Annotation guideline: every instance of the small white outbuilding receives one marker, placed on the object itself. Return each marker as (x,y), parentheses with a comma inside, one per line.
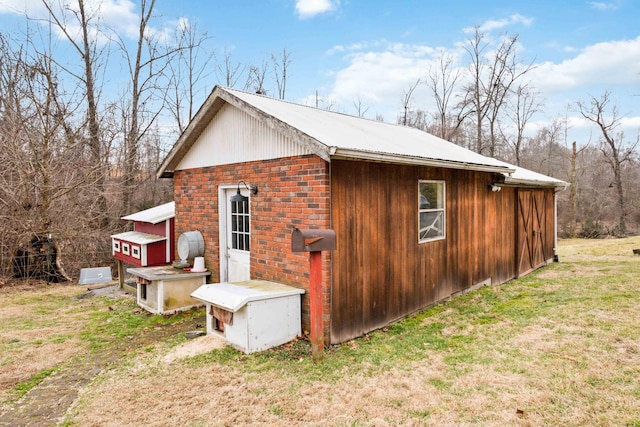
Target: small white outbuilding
(253,315)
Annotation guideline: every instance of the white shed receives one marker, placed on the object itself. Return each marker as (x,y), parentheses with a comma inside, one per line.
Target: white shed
(254,315)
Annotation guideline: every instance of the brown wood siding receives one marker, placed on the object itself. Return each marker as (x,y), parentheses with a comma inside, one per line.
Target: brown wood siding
(381,273)
(535,232)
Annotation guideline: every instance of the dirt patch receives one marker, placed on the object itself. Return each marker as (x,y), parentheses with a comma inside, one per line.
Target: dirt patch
(105,290)
(194,347)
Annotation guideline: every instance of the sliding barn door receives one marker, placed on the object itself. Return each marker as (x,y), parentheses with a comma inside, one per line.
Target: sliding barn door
(531,230)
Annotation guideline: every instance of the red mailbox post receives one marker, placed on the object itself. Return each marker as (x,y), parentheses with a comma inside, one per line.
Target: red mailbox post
(314,242)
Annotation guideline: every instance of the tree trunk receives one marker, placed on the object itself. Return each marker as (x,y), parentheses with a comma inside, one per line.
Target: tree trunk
(94,142)
(573,220)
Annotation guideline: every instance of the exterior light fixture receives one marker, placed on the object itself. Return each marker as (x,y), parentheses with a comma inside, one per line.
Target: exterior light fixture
(239,197)
(492,187)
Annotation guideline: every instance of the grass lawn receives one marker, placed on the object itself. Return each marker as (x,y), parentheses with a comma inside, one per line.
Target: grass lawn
(560,346)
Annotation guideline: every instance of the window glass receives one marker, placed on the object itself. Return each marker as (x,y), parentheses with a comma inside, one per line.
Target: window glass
(431,210)
(240,227)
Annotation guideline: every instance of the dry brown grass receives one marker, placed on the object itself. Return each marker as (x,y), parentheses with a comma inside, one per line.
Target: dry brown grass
(574,250)
(34,334)
(560,347)
(557,370)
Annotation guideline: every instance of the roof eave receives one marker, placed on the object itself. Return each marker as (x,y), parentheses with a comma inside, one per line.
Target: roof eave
(534,183)
(310,143)
(218,97)
(188,137)
(340,153)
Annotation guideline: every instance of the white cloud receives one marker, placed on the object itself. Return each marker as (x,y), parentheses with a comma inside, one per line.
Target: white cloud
(23,7)
(630,123)
(493,24)
(378,73)
(355,47)
(600,5)
(608,63)
(310,8)
(336,49)
(120,15)
(107,18)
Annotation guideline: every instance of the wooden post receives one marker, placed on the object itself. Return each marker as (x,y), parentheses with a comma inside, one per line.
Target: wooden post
(314,242)
(121,274)
(315,303)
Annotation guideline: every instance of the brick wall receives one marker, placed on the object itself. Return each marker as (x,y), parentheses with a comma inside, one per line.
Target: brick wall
(292,192)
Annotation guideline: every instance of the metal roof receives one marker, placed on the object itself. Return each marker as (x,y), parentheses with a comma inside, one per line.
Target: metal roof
(234,296)
(332,135)
(528,177)
(345,136)
(154,215)
(138,237)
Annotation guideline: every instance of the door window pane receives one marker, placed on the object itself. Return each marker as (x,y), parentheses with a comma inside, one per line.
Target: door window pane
(240,235)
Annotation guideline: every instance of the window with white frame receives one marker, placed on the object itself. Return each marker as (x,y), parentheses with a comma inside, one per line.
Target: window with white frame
(240,228)
(431,211)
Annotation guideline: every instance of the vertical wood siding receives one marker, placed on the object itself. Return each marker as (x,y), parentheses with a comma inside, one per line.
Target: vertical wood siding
(234,136)
(535,229)
(380,271)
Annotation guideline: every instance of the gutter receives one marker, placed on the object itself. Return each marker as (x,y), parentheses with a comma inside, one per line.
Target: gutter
(511,182)
(348,154)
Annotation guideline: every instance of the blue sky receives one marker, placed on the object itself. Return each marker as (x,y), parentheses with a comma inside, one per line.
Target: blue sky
(374,49)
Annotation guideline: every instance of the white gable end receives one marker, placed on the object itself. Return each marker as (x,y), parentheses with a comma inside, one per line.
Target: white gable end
(234,136)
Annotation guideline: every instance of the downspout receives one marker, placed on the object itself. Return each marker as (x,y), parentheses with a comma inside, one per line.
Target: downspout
(555,227)
(556,258)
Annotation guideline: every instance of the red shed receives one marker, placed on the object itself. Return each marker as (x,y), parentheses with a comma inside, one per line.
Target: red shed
(152,240)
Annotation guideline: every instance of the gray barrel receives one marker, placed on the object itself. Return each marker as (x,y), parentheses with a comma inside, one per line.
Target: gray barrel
(190,245)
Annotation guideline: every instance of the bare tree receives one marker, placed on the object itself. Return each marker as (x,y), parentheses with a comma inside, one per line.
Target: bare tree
(358,104)
(44,165)
(545,152)
(419,119)
(147,65)
(281,71)
(329,102)
(519,110)
(575,173)
(186,72)
(89,54)
(256,78)
(228,70)
(407,98)
(476,49)
(441,81)
(616,149)
(493,74)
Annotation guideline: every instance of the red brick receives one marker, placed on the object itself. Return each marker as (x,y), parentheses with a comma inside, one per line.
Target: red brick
(291,192)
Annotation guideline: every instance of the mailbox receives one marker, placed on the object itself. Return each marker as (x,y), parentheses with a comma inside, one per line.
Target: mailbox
(313,240)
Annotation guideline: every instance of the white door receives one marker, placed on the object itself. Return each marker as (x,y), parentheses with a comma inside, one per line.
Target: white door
(238,236)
